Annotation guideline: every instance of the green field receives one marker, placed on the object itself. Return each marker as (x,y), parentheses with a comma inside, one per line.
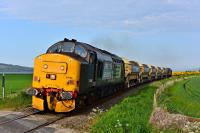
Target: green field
(15,96)
(131,115)
(183,98)
(16,83)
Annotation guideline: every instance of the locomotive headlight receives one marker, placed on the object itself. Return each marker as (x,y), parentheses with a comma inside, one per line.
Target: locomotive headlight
(32,92)
(66,95)
(62,68)
(45,66)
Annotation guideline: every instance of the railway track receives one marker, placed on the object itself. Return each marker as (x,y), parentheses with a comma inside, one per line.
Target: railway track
(10,125)
(19,117)
(73,118)
(46,123)
(81,111)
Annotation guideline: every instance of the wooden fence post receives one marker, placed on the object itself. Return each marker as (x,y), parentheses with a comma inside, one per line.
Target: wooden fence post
(3,86)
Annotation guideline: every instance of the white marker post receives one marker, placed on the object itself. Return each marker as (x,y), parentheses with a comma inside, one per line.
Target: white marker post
(3,86)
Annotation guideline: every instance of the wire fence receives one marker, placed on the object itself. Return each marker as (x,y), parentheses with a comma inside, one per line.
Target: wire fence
(13,84)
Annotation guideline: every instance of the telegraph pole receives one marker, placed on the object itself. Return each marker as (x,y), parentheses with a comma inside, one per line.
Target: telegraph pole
(3,86)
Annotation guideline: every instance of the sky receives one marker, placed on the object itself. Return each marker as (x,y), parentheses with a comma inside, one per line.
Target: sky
(160,32)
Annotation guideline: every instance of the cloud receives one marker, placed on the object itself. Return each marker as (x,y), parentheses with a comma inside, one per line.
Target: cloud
(162,21)
(123,15)
(179,2)
(99,13)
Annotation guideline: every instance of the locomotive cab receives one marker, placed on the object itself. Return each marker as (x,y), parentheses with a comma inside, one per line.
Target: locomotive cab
(57,76)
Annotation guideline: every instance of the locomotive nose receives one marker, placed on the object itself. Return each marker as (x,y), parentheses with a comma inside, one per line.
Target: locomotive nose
(56,71)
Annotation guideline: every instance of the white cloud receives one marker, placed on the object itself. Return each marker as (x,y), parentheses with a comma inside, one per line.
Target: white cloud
(164,21)
(128,14)
(178,2)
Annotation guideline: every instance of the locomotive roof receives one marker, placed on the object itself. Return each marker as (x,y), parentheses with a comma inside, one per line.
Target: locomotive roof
(90,47)
(100,53)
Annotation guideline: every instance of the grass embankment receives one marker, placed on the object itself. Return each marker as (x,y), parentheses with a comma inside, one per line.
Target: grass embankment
(183,98)
(130,115)
(15,96)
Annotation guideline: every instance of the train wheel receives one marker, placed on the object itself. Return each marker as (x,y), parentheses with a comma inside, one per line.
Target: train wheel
(80,103)
(45,105)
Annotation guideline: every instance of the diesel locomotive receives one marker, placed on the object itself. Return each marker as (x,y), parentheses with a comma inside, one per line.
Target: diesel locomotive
(71,74)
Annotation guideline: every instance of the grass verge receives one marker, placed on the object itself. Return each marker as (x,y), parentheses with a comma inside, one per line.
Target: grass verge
(183,98)
(130,115)
(16,102)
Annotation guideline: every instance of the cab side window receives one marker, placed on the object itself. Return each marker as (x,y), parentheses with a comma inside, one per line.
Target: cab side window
(92,58)
(99,69)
